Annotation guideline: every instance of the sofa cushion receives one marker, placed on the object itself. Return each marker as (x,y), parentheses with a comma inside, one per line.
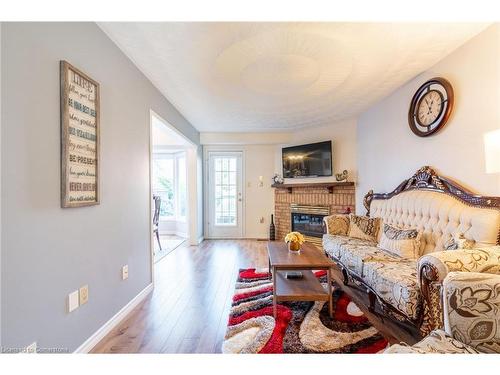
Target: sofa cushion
(363,227)
(396,283)
(353,252)
(436,342)
(402,242)
(334,245)
(337,224)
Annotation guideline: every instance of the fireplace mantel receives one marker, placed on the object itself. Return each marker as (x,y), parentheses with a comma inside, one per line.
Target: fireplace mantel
(329,185)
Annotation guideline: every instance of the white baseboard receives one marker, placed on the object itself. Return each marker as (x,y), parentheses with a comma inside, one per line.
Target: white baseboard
(93,340)
(201,239)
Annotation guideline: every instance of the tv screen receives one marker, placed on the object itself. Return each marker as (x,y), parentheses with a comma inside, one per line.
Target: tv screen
(312,160)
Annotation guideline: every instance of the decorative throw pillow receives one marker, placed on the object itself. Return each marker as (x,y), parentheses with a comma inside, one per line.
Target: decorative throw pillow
(337,224)
(458,241)
(401,242)
(363,227)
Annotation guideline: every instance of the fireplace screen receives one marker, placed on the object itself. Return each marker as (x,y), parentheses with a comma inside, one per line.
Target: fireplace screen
(308,224)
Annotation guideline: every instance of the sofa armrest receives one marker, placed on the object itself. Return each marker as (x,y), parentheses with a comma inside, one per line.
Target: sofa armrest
(471,304)
(435,266)
(337,224)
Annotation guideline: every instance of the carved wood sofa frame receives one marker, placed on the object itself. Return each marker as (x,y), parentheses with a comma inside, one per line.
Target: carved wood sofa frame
(424,179)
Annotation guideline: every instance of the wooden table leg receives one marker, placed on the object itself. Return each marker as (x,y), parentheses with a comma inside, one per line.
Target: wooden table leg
(274,294)
(330,298)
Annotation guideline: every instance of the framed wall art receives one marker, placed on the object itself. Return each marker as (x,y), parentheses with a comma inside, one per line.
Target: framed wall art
(79,138)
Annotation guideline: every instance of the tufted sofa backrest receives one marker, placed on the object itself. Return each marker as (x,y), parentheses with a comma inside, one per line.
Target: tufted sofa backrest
(438,216)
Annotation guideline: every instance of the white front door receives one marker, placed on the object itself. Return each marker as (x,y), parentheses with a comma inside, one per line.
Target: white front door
(225,200)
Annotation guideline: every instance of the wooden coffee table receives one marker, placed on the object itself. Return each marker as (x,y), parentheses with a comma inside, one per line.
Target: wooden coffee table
(307,288)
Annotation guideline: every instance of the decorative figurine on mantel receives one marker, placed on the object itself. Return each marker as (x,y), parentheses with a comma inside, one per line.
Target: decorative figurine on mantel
(277,179)
(342,176)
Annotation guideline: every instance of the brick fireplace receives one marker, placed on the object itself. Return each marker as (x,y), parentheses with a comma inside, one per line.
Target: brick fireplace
(325,198)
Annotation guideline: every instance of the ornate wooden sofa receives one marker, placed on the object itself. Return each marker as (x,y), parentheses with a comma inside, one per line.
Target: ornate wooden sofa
(408,290)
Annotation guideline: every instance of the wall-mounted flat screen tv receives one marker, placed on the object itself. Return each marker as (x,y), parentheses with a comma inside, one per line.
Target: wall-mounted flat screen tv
(311,160)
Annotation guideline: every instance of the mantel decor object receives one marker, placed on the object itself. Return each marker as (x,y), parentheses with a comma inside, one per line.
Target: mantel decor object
(277,179)
(294,241)
(342,176)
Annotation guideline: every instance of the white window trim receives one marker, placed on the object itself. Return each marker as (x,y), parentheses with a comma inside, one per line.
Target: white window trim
(175,156)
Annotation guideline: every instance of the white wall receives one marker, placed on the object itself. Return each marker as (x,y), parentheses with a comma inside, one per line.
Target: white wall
(0,184)
(343,137)
(389,152)
(48,251)
(258,201)
(199,196)
(244,138)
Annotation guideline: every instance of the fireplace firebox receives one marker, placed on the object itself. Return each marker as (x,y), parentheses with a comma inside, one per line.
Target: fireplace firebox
(308,220)
(308,224)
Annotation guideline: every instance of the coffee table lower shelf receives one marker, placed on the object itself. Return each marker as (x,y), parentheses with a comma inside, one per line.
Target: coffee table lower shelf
(307,288)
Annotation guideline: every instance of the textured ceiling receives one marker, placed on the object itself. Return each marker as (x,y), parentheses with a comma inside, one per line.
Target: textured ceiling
(281,76)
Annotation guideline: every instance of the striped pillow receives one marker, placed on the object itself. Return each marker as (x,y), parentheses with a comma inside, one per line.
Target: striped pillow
(363,227)
(404,243)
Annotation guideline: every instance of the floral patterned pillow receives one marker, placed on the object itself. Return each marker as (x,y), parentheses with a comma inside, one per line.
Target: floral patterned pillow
(404,243)
(364,228)
(337,224)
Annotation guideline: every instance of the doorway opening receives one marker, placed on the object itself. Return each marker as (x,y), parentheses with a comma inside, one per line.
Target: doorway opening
(170,156)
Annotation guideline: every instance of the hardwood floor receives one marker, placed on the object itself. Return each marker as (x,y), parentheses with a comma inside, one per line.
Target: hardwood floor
(188,310)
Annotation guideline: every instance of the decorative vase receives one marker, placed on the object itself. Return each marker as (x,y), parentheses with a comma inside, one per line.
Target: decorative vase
(294,246)
(272,229)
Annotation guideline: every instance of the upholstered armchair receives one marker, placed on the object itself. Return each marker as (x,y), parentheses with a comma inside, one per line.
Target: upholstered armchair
(471,303)
(434,267)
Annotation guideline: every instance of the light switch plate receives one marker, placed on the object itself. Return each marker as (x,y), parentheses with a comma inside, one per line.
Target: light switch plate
(73,301)
(84,294)
(125,272)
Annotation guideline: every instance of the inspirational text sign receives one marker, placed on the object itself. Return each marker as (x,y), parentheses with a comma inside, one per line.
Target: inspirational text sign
(79,138)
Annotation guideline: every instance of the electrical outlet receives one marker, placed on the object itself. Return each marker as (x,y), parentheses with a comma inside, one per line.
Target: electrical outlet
(125,272)
(73,301)
(84,294)
(31,348)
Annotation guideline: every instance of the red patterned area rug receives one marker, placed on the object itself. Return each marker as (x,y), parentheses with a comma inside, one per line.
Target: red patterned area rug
(300,327)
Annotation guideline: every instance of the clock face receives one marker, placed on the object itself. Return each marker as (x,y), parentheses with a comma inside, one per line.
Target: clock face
(430,107)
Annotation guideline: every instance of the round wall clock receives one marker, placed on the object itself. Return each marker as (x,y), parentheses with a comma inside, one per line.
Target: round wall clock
(430,107)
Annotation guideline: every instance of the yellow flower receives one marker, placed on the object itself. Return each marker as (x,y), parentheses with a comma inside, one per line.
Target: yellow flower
(295,237)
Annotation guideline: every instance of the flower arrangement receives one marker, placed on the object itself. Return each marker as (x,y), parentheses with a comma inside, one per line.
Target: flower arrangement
(294,240)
